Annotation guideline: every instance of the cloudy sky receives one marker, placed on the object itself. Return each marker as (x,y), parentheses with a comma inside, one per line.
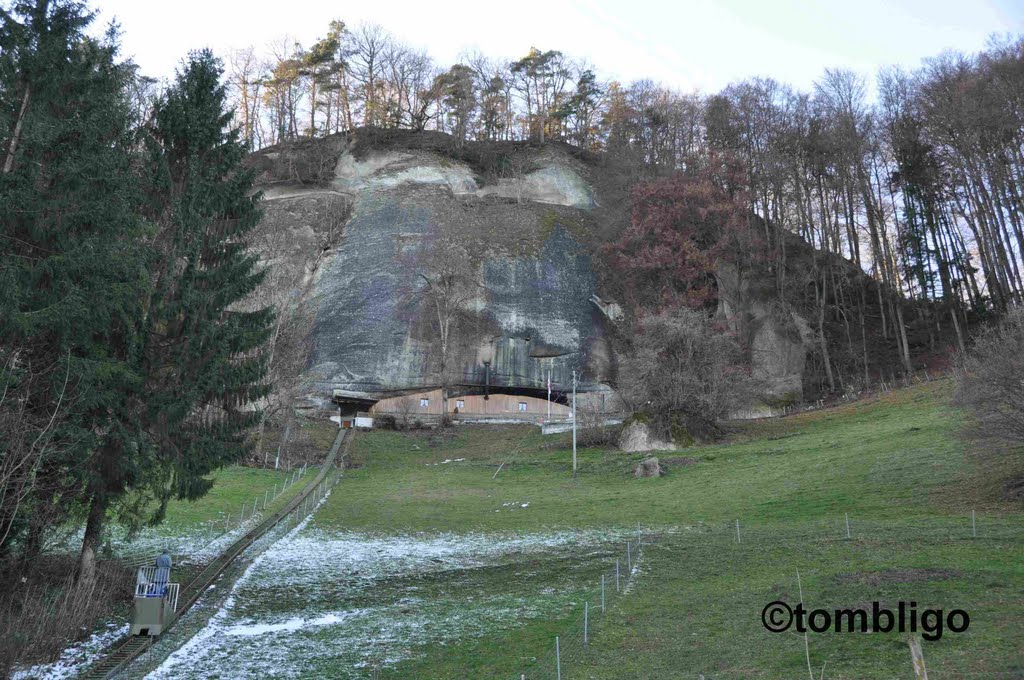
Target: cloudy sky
(688,44)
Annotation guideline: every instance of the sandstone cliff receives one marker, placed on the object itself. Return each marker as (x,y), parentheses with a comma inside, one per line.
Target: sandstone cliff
(350,220)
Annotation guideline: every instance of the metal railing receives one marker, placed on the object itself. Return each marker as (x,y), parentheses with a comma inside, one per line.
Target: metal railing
(150,581)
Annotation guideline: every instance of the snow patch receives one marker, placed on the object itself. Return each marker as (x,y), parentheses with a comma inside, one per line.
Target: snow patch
(77,657)
(334,602)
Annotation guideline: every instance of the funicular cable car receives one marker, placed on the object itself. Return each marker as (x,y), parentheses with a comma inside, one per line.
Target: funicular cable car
(156,601)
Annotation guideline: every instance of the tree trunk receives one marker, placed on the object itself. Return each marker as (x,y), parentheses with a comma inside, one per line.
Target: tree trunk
(12,148)
(91,541)
(823,341)
(902,327)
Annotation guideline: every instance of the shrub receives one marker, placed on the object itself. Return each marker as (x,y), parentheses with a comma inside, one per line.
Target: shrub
(591,428)
(385,422)
(685,373)
(990,383)
(43,610)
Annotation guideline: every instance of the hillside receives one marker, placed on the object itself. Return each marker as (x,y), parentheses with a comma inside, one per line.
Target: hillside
(423,563)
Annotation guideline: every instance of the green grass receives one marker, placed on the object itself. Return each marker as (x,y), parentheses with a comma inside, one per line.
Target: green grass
(190,525)
(232,486)
(893,463)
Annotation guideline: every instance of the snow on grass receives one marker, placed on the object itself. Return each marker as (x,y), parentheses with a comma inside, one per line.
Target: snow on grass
(197,544)
(198,644)
(77,657)
(331,603)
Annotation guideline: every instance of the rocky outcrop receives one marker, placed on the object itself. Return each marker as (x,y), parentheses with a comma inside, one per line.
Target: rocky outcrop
(348,222)
(778,338)
(636,436)
(649,467)
(534,313)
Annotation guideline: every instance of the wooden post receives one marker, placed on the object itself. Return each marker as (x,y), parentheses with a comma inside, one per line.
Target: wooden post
(920,672)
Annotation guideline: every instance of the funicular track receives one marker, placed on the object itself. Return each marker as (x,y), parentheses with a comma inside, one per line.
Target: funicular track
(130,647)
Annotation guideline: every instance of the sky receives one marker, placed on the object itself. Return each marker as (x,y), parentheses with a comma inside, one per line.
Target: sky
(691,45)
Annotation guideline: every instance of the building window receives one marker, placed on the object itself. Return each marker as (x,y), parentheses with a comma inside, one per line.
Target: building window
(460,403)
(522,406)
(424,403)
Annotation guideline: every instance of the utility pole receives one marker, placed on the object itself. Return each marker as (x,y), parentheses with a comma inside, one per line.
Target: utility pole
(574,423)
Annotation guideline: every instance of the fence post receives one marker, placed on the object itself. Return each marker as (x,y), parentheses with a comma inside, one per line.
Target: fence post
(616,574)
(847,524)
(629,559)
(227,523)
(639,535)
(917,657)
(974,525)
(602,593)
(586,620)
(558,659)
(266,495)
(737,531)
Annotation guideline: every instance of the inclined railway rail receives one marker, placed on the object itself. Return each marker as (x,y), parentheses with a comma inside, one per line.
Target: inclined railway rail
(132,646)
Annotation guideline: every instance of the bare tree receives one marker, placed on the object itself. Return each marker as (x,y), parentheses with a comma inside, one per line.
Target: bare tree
(405,407)
(370,43)
(990,383)
(246,73)
(683,372)
(28,441)
(447,286)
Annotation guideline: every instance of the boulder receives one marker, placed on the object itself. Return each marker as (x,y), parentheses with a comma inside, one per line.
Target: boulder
(636,436)
(649,467)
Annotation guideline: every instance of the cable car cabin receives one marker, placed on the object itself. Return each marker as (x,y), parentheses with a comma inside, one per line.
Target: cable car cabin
(156,601)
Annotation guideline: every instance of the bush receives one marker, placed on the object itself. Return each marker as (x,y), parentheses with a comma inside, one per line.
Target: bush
(990,383)
(385,422)
(591,430)
(685,373)
(43,610)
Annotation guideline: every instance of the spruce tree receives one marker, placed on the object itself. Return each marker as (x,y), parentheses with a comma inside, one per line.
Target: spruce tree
(199,358)
(203,363)
(72,270)
(200,362)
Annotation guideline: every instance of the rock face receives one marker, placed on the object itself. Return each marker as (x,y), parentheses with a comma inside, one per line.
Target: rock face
(649,467)
(636,436)
(349,228)
(536,311)
(779,339)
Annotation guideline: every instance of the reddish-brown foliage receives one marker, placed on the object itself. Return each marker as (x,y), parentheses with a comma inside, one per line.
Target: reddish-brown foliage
(681,226)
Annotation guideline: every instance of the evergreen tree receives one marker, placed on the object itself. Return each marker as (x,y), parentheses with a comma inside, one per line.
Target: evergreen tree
(199,361)
(71,266)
